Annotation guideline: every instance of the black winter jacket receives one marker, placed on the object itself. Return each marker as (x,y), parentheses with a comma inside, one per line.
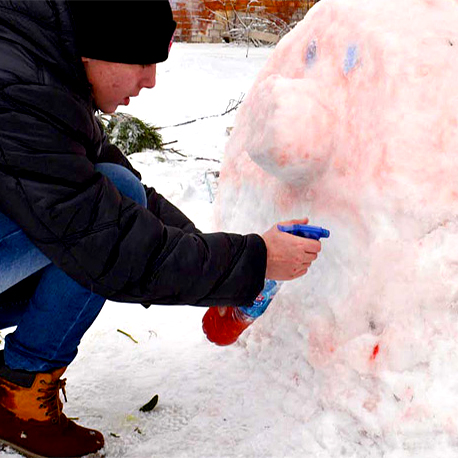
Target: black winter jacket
(49,143)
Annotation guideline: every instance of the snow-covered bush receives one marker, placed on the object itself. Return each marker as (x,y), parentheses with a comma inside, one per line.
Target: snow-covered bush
(130,134)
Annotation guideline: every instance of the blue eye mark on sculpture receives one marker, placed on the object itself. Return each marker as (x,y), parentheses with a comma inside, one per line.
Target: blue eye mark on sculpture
(311,56)
(351,59)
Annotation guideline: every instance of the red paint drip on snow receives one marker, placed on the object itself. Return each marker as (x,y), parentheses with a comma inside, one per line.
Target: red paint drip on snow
(375,352)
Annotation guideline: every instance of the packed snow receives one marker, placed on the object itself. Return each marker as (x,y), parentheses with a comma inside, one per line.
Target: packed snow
(349,121)
(353,122)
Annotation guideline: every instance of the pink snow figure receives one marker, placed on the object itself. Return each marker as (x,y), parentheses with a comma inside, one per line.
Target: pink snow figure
(353,122)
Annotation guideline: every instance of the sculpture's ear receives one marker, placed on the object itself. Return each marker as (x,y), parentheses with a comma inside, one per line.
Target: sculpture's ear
(291,128)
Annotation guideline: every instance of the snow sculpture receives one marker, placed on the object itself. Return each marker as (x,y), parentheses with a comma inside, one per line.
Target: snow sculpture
(353,122)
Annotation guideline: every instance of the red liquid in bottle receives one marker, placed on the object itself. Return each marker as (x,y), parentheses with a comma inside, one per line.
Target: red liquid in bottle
(223,325)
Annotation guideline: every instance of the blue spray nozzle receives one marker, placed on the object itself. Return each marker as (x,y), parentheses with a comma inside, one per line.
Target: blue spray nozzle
(306,231)
(271,287)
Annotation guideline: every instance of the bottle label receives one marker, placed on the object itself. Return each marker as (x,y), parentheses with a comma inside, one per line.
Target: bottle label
(263,300)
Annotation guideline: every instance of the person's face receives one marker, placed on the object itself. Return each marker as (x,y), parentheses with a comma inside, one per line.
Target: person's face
(114,83)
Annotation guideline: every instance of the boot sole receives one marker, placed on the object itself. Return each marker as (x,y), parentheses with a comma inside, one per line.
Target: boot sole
(29,454)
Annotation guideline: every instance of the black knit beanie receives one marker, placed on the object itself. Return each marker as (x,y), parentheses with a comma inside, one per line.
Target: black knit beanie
(124,31)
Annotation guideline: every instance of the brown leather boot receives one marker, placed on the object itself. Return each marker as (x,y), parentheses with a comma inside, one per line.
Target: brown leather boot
(31,418)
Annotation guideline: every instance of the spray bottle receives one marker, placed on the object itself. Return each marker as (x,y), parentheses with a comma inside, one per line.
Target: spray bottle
(223,325)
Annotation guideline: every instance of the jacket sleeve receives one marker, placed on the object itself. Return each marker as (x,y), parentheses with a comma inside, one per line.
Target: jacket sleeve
(104,240)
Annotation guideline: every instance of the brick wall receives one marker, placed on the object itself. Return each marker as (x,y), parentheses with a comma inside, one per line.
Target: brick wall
(215,21)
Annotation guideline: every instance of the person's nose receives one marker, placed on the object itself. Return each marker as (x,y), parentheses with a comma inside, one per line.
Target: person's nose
(149,76)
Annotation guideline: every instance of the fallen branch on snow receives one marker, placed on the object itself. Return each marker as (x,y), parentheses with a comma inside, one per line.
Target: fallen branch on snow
(232,105)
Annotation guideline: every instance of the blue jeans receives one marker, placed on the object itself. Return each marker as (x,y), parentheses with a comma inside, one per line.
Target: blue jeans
(50,326)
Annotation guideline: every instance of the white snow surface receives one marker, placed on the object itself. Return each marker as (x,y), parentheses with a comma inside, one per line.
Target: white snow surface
(360,357)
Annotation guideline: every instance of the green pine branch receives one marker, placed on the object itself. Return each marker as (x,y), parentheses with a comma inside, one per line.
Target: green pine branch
(130,134)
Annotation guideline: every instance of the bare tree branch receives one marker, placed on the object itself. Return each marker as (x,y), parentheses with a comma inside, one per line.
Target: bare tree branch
(232,105)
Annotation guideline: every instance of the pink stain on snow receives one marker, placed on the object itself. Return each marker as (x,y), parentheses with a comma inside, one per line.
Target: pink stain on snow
(321,344)
(375,352)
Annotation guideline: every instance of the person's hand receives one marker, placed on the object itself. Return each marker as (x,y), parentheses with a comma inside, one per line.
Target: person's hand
(289,256)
